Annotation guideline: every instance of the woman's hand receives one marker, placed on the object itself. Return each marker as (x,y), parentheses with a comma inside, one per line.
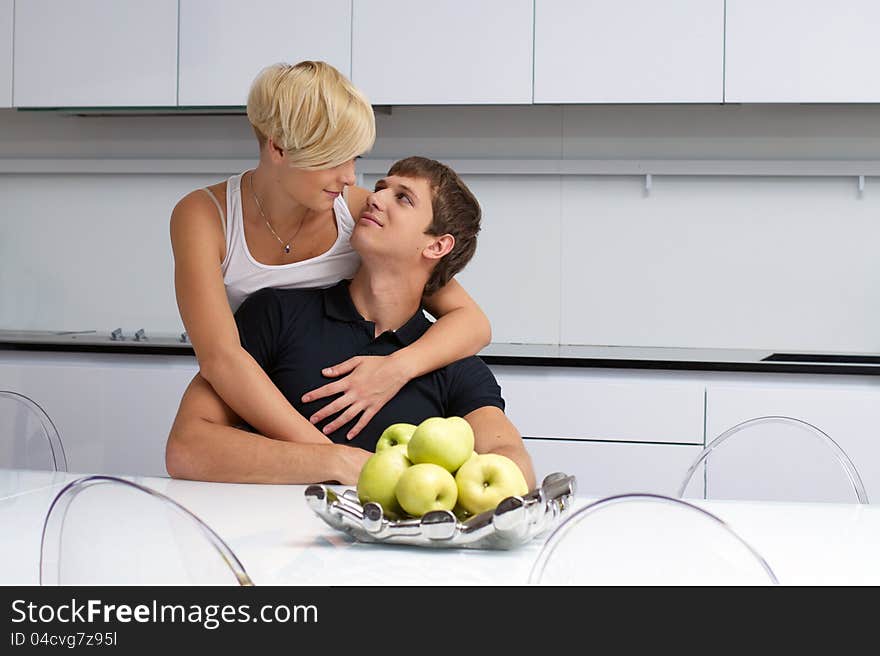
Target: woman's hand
(371,381)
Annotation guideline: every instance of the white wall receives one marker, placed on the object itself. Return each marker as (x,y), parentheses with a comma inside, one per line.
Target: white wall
(747,262)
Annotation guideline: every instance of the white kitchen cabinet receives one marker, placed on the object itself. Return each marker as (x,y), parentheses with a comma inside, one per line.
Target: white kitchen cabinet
(802,51)
(443,53)
(604,468)
(225,43)
(95,53)
(113,411)
(565,403)
(634,51)
(782,462)
(6,14)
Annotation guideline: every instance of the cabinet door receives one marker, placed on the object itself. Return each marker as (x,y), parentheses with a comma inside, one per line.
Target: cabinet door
(113,412)
(561,403)
(6,11)
(140,402)
(630,51)
(790,462)
(95,53)
(802,51)
(602,469)
(224,44)
(443,53)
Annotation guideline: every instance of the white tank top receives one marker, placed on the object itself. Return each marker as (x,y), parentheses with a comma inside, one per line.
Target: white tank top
(243,275)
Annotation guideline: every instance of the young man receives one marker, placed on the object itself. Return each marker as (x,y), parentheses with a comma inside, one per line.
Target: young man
(415,232)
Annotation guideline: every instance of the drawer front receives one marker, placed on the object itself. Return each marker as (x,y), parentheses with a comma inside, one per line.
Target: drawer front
(113,416)
(606,468)
(789,461)
(564,403)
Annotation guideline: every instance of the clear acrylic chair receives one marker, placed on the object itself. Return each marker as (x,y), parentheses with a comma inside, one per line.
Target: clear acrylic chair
(774,458)
(28,438)
(103,530)
(647,539)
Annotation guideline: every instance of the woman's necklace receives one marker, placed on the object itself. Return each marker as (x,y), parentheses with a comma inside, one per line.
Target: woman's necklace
(285,245)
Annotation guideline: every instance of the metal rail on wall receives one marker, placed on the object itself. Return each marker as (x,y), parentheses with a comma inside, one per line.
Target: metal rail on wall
(860,170)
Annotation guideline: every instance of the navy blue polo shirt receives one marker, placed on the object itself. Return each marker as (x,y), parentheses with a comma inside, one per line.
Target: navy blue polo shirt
(295,333)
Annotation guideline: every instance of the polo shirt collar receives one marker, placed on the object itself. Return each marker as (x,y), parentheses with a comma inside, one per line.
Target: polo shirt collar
(338,305)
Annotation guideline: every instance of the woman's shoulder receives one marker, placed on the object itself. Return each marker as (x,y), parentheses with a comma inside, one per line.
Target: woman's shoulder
(200,199)
(200,212)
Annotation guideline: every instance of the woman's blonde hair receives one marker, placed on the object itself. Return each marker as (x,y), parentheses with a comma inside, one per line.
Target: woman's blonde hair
(311,111)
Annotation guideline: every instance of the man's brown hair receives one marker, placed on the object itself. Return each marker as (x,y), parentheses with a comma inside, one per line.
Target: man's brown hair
(456,212)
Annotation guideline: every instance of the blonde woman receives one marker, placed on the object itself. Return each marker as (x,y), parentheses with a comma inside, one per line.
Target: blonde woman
(286,224)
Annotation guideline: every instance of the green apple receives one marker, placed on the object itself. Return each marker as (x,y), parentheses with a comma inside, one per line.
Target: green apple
(447,442)
(486,479)
(393,435)
(378,478)
(473,453)
(425,487)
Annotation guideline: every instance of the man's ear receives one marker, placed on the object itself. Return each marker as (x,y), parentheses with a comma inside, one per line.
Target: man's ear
(440,247)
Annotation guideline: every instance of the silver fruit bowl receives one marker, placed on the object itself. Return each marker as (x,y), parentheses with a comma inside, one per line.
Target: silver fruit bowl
(515,520)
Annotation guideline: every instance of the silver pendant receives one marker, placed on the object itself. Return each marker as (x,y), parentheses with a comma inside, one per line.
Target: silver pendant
(286,248)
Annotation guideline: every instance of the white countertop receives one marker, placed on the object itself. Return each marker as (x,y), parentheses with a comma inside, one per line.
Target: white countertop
(280,541)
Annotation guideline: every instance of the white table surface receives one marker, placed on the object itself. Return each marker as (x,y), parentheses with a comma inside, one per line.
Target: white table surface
(280,541)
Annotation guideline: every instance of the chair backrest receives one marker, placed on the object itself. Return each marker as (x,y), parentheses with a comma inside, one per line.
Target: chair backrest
(28,438)
(103,530)
(647,539)
(774,458)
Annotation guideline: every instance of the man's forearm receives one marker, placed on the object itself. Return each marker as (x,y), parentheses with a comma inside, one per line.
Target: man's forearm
(201,450)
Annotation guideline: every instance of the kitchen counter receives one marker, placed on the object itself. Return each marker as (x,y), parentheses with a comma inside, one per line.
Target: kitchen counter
(280,541)
(542,355)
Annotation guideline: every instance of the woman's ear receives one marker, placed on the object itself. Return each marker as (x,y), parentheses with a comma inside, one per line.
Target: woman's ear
(276,152)
(440,247)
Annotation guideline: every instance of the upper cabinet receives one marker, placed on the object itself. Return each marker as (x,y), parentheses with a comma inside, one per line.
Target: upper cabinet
(225,43)
(95,53)
(6,10)
(206,53)
(629,51)
(791,51)
(436,53)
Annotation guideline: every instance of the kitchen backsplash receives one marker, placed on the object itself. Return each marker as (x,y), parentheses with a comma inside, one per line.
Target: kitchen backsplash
(779,263)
